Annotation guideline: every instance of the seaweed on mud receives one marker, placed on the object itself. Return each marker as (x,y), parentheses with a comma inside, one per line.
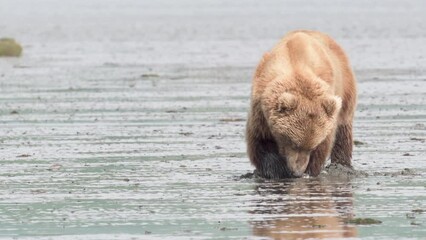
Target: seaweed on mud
(363,221)
(150,75)
(232,119)
(408,172)
(418,139)
(249,175)
(23,155)
(182,109)
(228,228)
(318,226)
(418,211)
(358,143)
(186,133)
(404,172)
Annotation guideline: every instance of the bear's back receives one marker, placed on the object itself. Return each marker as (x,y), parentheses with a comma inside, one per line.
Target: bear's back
(344,79)
(313,55)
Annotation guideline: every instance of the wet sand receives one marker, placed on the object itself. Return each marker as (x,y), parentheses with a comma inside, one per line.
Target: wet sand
(127,120)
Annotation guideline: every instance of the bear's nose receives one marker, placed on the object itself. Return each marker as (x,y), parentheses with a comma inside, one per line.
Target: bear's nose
(297,162)
(312,115)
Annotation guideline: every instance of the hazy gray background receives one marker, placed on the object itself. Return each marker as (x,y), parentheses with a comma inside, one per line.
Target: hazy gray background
(376,34)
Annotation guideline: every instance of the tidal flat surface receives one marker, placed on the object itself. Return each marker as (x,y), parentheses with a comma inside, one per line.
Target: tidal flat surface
(126,120)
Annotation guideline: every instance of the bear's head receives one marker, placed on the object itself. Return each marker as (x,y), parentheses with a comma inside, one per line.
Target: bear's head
(299,124)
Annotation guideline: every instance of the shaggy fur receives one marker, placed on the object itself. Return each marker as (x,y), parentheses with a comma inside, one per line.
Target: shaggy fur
(302,107)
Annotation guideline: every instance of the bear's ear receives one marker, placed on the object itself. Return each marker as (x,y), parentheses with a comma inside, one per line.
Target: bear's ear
(287,102)
(332,105)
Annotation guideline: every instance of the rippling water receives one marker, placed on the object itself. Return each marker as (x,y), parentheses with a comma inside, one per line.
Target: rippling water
(126,120)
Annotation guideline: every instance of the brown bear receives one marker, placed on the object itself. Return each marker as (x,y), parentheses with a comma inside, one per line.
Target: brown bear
(302,107)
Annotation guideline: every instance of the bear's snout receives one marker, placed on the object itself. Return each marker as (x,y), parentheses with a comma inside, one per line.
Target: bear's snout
(297,161)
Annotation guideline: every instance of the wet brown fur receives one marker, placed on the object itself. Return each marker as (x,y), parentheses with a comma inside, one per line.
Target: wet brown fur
(312,67)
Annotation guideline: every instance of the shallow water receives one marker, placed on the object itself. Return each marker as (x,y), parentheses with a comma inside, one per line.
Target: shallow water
(127,120)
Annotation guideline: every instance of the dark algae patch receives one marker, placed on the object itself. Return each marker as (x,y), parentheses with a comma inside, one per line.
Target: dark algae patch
(318,226)
(358,143)
(232,120)
(417,139)
(248,175)
(150,75)
(363,221)
(418,211)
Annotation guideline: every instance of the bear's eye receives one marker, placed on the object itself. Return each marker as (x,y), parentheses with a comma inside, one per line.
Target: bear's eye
(286,102)
(284,109)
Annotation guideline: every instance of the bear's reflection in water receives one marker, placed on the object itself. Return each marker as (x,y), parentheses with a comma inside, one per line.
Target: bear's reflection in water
(303,208)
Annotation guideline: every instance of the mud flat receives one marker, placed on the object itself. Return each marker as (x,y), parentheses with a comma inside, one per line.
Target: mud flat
(133,126)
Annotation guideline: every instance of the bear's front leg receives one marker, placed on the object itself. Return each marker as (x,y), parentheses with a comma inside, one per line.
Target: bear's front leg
(267,160)
(342,150)
(319,156)
(262,148)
